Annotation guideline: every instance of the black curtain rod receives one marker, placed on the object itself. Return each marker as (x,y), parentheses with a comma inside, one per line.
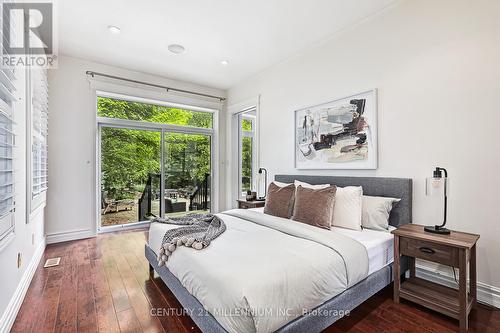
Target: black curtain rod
(153,85)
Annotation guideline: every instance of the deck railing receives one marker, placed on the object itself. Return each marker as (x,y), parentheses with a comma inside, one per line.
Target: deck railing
(199,199)
(146,198)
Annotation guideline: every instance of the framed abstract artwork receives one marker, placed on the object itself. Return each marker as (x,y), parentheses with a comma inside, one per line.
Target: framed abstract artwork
(341,134)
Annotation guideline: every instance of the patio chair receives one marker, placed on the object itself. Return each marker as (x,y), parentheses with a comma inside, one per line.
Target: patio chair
(112,205)
(106,204)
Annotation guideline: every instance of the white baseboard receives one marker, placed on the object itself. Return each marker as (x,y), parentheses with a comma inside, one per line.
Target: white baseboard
(485,293)
(10,314)
(123,227)
(69,236)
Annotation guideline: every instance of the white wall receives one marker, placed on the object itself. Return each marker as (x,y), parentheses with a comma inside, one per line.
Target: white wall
(29,239)
(72,137)
(436,65)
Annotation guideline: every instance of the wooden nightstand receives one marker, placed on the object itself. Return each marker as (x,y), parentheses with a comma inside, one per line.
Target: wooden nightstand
(243,204)
(456,250)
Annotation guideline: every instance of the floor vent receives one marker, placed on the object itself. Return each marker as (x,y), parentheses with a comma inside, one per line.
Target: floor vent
(52,262)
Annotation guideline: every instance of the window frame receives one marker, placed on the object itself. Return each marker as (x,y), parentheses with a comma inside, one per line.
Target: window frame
(232,174)
(134,94)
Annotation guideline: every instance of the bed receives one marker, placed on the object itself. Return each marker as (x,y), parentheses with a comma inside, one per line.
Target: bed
(264,271)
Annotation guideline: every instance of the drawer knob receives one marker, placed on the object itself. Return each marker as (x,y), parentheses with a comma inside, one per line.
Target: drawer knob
(426,250)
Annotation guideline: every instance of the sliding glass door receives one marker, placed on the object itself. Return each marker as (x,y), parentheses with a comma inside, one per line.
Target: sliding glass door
(187,170)
(130,175)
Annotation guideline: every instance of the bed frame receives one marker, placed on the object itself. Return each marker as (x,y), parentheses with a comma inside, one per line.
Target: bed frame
(334,309)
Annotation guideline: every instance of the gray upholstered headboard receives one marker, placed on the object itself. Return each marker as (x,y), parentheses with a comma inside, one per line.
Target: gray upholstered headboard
(375,186)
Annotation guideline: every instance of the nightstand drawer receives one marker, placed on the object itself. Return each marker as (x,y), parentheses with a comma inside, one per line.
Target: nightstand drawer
(438,253)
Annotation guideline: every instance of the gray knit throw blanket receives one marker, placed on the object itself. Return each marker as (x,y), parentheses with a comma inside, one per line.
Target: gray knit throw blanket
(195,230)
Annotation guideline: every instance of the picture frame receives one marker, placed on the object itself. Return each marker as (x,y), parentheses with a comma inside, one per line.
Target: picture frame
(338,135)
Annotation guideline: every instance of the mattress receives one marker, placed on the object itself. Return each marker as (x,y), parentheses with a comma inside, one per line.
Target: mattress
(379,244)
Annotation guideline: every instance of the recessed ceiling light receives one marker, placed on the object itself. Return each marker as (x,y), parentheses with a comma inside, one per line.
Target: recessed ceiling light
(224,62)
(176,48)
(114,29)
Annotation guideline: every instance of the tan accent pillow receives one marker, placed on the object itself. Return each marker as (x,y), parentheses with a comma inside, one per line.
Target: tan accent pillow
(348,204)
(279,201)
(314,206)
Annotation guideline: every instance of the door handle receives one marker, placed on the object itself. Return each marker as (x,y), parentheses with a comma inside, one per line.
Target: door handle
(427,250)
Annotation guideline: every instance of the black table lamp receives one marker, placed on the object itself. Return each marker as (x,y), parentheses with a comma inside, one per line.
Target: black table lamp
(438,185)
(265,184)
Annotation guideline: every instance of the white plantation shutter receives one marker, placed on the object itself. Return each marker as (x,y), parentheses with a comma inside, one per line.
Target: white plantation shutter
(40,111)
(7,203)
(7,99)
(39,132)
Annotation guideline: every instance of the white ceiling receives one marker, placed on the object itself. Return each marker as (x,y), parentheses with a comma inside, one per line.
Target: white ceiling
(251,34)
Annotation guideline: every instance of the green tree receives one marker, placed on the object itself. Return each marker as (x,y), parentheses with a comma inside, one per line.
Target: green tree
(246,163)
(246,156)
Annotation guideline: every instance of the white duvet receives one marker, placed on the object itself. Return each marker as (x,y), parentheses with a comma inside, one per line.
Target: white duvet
(265,271)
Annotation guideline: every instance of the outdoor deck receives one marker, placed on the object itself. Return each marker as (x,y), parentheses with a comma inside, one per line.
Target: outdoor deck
(131,216)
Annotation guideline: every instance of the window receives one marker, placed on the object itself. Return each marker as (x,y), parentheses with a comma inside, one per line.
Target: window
(246,125)
(38,116)
(155,159)
(168,113)
(7,203)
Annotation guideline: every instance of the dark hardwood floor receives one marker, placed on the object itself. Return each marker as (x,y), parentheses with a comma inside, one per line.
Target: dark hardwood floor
(103,284)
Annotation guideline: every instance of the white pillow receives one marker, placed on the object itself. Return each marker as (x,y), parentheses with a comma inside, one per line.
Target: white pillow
(376,211)
(280,184)
(314,187)
(348,205)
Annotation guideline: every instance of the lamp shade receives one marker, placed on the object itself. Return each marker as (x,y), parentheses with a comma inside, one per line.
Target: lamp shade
(436,186)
